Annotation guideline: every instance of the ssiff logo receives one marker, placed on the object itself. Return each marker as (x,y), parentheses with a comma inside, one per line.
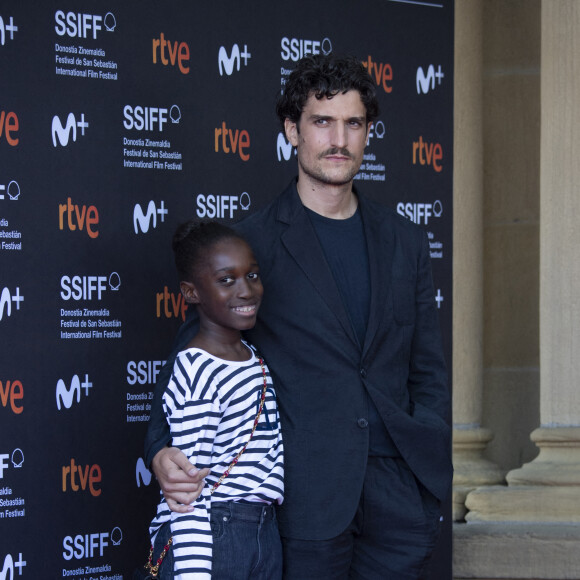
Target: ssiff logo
(143,372)
(377,130)
(426,82)
(13,392)
(79,25)
(7,571)
(83,546)
(143,221)
(149,118)
(78,217)
(65,395)
(226,63)
(17,459)
(84,287)
(295,48)
(6,300)
(13,192)
(7,27)
(178,53)
(61,134)
(420,212)
(9,126)
(221,206)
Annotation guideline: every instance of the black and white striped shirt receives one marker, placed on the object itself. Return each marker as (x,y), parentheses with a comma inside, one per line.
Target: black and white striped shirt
(211,405)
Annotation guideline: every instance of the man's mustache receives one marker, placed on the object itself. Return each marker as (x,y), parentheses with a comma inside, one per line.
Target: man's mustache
(337,150)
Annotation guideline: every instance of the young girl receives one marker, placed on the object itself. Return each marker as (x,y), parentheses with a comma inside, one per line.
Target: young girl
(221,408)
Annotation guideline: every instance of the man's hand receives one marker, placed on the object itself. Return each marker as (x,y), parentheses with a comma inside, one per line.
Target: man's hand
(180,481)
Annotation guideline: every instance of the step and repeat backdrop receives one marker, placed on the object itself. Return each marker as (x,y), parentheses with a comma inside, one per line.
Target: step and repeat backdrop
(117,122)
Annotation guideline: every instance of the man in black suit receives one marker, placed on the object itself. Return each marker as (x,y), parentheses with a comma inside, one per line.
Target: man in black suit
(350,330)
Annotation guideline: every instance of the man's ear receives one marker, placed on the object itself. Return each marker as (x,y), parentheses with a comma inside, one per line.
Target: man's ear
(189,292)
(291,130)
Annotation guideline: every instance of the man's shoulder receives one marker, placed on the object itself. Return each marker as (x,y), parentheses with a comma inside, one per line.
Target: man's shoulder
(389,218)
(263,222)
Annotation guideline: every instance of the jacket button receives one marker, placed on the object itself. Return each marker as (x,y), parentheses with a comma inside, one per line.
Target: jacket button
(363,373)
(363,423)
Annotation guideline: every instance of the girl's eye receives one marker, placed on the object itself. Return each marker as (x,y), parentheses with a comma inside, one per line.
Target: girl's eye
(226,280)
(253,275)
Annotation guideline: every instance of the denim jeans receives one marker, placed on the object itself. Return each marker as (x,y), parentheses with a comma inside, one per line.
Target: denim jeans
(246,542)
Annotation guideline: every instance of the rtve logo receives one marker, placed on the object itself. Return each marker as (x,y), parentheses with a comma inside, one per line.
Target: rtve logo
(420,212)
(90,545)
(226,63)
(63,133)
(6,300)
(170,305)
(427,154)
(143,221)
(65,395)
(13,191)
(219,206)
(426,82)
(89,477)
(85,218)
(178,53)
(4,28)
(149,118)
(143,372)
(79,25)
(283,148)
(232,141)
(8,126)
(7,571)
(142,474)
(295,48)
(381,73)
(83,287)
(12,391)
(17,459)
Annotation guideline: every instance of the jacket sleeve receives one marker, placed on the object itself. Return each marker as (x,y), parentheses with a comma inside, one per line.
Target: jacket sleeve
(158,435)
(427,381)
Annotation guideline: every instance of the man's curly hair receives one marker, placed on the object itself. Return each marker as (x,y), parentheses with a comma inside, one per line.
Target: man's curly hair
(326,76)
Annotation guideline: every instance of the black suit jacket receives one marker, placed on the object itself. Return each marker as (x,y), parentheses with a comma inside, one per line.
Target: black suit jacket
(322,375)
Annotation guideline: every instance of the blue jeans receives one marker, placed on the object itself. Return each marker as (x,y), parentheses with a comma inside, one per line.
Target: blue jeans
(246,542)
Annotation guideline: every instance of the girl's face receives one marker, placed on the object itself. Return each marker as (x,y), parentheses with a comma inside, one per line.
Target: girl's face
(226,286)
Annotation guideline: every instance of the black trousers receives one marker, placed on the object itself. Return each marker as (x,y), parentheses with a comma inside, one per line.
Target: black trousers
(391,536)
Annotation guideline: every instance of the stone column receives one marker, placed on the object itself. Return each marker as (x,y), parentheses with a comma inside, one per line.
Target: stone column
(469,438)
(548,488)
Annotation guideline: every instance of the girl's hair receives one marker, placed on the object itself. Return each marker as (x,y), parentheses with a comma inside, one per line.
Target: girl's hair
(192,238)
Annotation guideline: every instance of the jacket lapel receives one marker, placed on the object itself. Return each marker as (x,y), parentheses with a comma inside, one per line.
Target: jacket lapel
(380,247)
(302,244)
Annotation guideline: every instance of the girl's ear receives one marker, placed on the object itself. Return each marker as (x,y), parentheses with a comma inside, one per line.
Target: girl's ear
(189,292)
